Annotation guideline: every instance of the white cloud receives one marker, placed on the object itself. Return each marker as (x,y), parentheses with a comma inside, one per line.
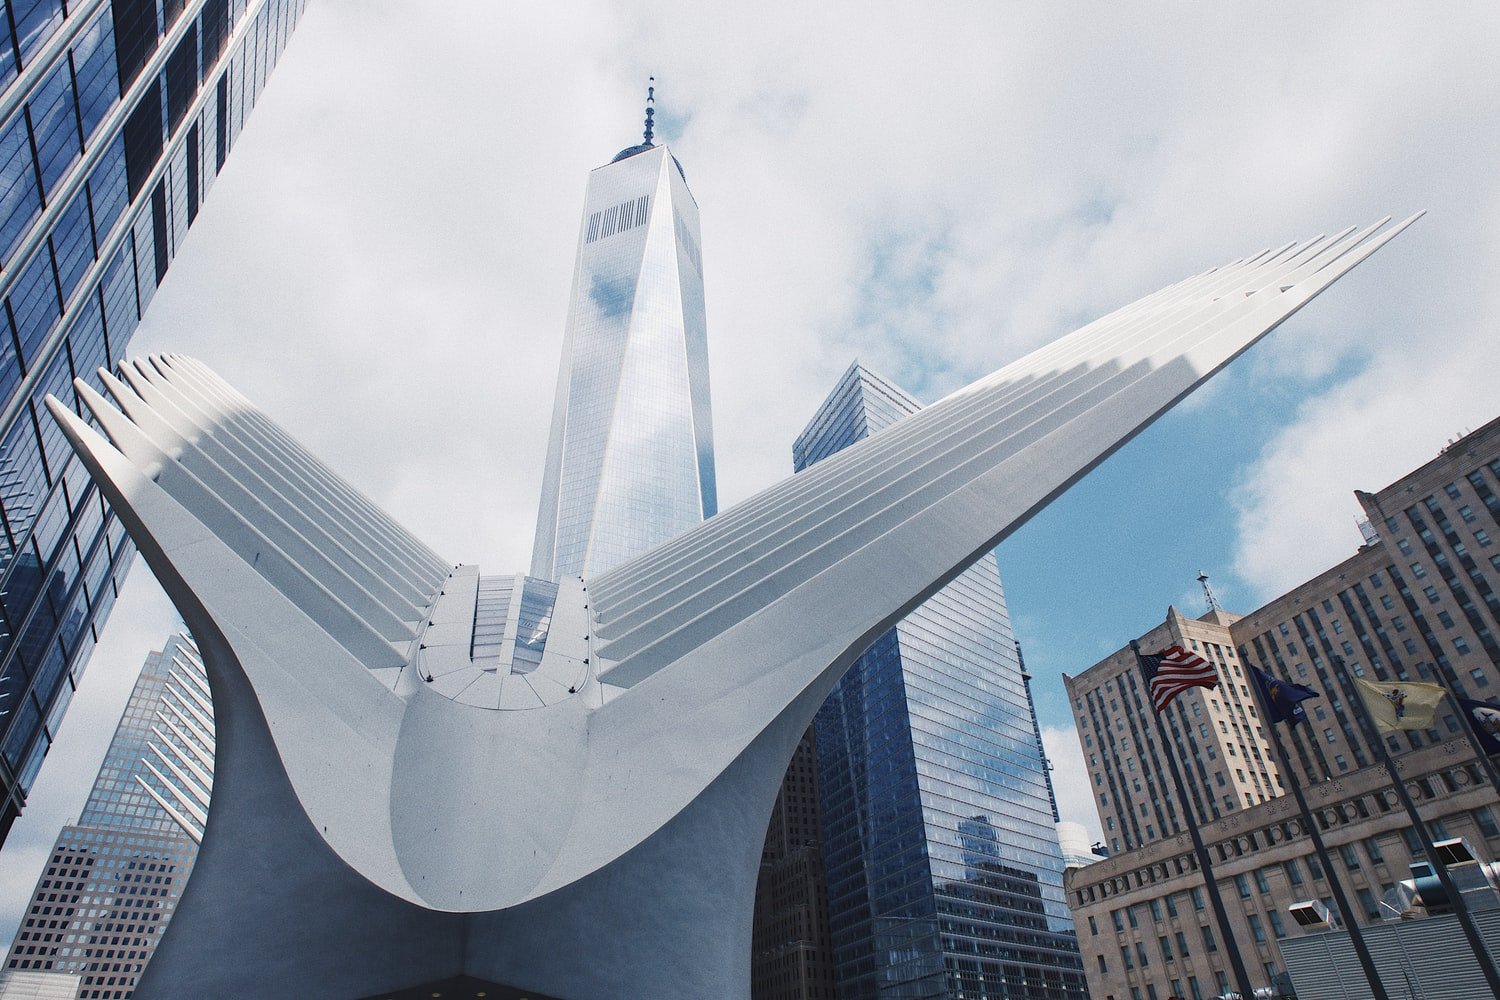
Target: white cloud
(1070,779)
(1295,506)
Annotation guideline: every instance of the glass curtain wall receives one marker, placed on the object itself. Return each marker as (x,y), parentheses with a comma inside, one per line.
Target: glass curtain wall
(943,866)
(115,118)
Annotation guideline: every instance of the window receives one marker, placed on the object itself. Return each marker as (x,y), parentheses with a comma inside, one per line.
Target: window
(1460,644)
(1477,676)
(1398,623)
(1417,572)
(1130,916)
(1243,885)
(1431,594)
(1372,848)
(1195,992)
(1445,619)
(1277,927)
(1467,513)
(1368,905)
(1125,957)
(1208,939)
(1197,895)
(1482,537)
(1293,873)
(1386,602)
(1119,924)
(1166,949)
(1182,948)
(1351,857)
(1485,820)
(1404,546)
(1261,882)
(1257,928)
(1341,761)
(1316,867)
(1172,903)
(1155,905)
(1140,954)
(1093,926)
(1452,490)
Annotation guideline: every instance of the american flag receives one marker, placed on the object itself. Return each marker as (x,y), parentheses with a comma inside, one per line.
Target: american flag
(1173,671)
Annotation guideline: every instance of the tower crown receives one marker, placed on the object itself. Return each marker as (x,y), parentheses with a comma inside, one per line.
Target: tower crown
(650,131)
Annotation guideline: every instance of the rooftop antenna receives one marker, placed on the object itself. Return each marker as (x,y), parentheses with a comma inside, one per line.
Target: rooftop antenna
(650,109)
(1208,593)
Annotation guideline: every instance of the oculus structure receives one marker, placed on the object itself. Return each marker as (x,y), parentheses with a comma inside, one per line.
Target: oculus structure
(389,812)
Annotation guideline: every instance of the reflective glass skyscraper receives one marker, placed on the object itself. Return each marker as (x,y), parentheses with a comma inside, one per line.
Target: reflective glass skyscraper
(943,867)
(112,883)
(630,458)
(115,118)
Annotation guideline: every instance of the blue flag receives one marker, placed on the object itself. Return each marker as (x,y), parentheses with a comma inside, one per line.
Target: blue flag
(1484,716)
(1283,698)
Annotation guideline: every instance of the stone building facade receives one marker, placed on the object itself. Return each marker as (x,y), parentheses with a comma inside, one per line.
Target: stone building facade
(1143,920)
(1217,735)
(1417,601)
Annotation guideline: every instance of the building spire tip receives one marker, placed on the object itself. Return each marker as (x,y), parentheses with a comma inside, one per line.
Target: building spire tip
(650,109)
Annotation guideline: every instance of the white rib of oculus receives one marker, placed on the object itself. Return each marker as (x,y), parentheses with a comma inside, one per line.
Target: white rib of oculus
(578,812)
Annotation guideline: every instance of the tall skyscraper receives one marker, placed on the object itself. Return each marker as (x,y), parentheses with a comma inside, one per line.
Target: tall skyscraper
(630,460)
(113,880)
(943,866)
(115,118)
(1216,736)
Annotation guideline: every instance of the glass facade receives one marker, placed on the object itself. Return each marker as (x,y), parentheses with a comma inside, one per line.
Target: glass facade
(115,118)
(113,881)
(943,866)
(630,457)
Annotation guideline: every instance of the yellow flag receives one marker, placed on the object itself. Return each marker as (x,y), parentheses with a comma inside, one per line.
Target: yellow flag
(1400,704)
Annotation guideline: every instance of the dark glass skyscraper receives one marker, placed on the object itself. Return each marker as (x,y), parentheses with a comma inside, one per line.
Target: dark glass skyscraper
(944,872)
(115,118)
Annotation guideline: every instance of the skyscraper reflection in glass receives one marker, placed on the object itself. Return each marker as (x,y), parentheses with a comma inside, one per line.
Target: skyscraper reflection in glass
(115,118)
(630,459)
(943,867)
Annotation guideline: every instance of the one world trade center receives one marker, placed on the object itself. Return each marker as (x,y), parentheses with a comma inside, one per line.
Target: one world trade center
(630,458)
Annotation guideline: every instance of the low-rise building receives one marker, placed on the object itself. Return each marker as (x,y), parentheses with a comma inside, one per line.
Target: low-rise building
(1143,918)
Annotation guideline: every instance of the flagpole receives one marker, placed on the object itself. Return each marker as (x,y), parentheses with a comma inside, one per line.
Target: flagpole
(1460,908)
(1356,936)
(1468,721)
(1210,884)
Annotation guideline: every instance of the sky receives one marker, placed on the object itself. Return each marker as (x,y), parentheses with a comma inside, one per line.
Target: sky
(933,189)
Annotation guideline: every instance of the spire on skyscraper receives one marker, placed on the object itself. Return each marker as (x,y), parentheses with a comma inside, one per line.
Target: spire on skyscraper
(650,110)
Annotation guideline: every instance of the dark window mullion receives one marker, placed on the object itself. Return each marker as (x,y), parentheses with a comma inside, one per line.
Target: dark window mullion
(15,45)
(36,160)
